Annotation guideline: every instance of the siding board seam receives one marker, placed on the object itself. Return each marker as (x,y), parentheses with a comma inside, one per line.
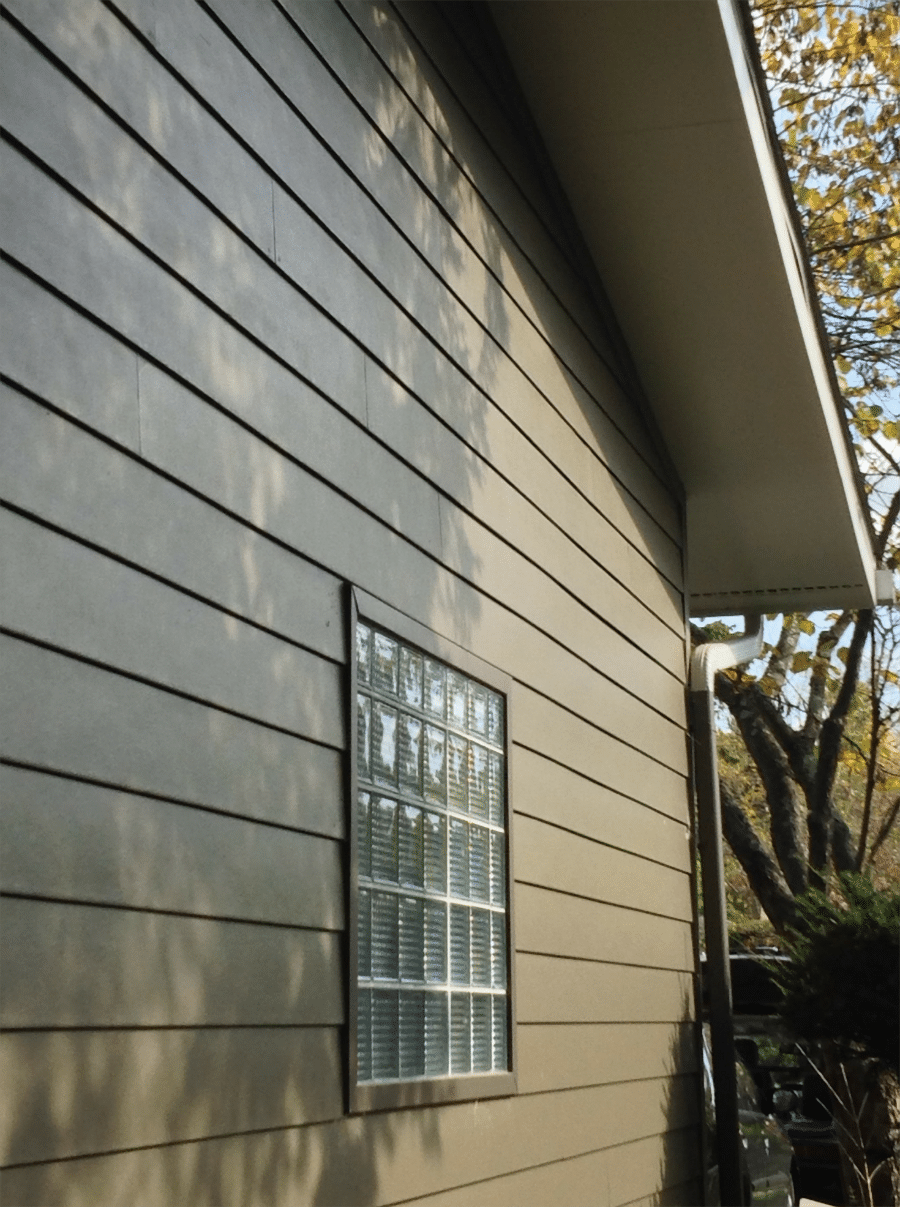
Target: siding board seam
(608,1148)
(346,250)
(130,453)
(611,846)
(611,368)
(635,909)
(171,583)
(158,911)
(600,783)
(296,1127)
(182,802)
(27,638)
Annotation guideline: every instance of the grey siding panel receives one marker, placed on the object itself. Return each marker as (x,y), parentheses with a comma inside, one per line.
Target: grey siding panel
(84,1092)
(68,965)
(138,625)
(90,375)
(68,716)
(70,840)
(79,484)
(295,156)
(79,254)
(551,922)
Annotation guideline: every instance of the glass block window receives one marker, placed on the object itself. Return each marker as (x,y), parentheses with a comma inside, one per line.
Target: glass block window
(432,934)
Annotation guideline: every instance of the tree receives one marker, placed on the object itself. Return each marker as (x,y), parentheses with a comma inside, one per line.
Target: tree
(820,725)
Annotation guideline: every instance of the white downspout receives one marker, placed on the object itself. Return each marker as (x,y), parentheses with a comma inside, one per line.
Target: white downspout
(705,662)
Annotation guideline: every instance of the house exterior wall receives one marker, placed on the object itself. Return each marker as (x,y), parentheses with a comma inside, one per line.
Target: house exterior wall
(287,306)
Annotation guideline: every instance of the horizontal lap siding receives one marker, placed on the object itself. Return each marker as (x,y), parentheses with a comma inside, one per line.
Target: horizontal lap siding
(308,325)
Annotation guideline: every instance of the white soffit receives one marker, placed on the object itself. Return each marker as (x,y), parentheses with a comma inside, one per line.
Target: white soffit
(649,114)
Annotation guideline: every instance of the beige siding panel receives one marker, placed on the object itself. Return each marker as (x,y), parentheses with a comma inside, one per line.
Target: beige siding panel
(597,1178)
(69,716)
(382,1158)
(79,483)
(595,589)
(70,965)
(86,259)
(281,497)
(557,1057)
(238,93)
(66,839)
(80,1091)
(666,1161)
(90,374)
(400,125)
(556,794)
(551,989)
(552,923)
(605,520)
(558,859)
(550,730)
(136,624)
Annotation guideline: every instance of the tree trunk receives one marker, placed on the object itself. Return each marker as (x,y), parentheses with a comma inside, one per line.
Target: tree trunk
(761,869)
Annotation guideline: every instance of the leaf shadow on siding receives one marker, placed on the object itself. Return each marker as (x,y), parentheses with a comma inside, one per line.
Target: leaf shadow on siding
(192,1041)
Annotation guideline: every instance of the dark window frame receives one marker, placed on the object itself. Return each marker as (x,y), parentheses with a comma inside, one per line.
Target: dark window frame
(374,1096)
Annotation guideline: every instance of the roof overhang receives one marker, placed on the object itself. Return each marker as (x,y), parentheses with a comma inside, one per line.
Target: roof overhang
(650,114)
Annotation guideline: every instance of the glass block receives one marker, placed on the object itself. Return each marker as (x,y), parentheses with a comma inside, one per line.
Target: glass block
(459,945)
(495,789)
(364,836)
(363,737)
(410,677)
(435,843)
(479,864)
(435,943)
(435,688)
(482,1038)
(481,947)
(495,718)
(435,765)
(459,858)
(363,653)
(412,939)
(477,718)
(412,1033)
(412,860)
(385,1035)
(457,773)
(437,1046)
(384,744)
(385,935)
(499,1027)
(384,839)
(498,950)
(364,1035)
(456,700)
(410,754)
(498,869)
(364,934)
(460,1034)
(478,780)
(385,664)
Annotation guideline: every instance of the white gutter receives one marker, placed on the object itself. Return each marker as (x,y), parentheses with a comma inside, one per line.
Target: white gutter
(705,662)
